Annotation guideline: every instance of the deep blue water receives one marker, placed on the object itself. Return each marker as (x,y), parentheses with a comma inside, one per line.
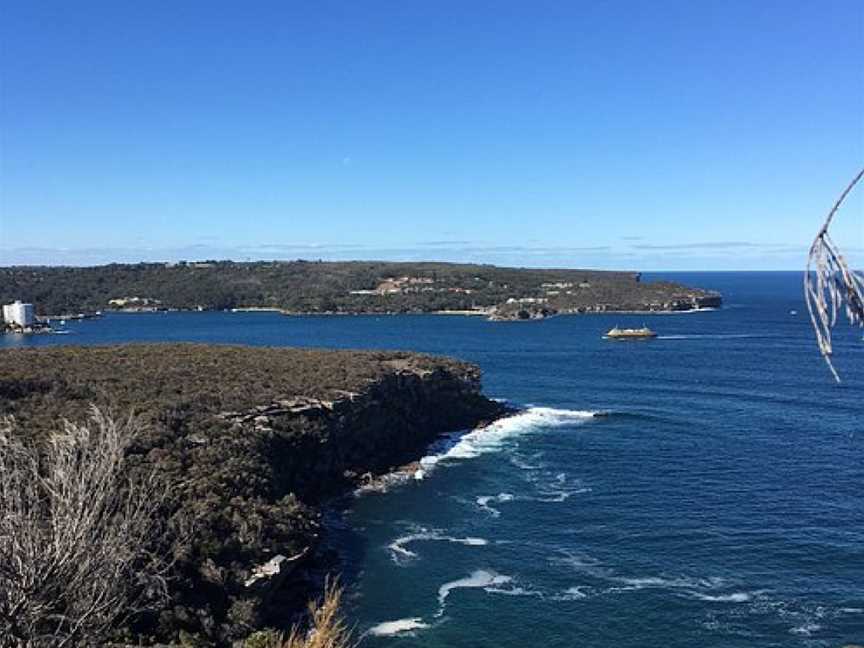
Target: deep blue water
(718,504)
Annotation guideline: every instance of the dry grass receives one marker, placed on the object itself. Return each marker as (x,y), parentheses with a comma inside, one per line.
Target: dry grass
(831,286)
(328,628)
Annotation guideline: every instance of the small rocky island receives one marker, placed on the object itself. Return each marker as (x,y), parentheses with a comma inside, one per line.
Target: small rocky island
(349,287)
(252,441)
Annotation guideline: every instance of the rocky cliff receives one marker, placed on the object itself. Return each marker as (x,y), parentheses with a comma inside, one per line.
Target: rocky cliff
(252,441)
(650,298)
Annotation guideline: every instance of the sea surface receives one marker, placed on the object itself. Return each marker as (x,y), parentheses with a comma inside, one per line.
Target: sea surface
(702,489)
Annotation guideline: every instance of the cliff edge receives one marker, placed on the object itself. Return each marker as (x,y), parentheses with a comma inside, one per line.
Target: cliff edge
(252,440)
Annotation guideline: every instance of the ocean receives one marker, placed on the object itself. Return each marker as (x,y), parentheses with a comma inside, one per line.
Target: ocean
(700,489)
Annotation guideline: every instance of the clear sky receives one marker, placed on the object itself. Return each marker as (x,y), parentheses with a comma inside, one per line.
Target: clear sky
(644,135)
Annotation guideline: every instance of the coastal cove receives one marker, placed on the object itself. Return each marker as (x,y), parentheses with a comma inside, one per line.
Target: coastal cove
(702,488)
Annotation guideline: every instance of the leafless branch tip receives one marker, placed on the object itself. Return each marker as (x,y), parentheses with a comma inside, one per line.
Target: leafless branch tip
(830,286)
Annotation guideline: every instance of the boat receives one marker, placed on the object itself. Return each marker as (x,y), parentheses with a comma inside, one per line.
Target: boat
(630,333)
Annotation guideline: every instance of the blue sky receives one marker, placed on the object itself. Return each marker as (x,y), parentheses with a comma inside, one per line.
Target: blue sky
(639,135)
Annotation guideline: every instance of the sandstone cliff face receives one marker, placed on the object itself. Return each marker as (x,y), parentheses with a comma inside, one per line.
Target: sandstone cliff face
(253,457)
(320,446)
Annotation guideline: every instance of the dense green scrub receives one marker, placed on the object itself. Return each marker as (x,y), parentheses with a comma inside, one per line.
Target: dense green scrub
(250,441)
(314,287)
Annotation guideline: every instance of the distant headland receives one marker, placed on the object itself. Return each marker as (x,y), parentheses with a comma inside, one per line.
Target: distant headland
(347,287)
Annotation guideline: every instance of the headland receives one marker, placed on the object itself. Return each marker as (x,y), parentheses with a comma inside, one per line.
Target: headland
(253,441)
(351,287)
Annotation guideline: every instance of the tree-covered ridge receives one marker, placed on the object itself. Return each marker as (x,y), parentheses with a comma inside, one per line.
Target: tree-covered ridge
(322,287)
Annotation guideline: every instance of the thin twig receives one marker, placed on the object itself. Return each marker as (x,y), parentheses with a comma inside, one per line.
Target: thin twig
(832,286)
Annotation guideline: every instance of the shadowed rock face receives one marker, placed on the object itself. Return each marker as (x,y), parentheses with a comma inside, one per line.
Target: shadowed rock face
(252,440)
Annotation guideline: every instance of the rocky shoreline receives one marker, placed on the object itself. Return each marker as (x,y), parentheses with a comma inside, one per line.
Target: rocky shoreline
(695,301)
(254,442)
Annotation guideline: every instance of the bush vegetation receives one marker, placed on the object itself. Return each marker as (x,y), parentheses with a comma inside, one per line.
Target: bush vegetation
(245,480)
(318,287)
(82,549)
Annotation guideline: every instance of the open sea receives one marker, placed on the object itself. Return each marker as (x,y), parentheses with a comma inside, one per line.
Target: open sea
(702,489)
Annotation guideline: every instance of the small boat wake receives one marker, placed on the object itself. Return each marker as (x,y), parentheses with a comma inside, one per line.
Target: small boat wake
(715,336)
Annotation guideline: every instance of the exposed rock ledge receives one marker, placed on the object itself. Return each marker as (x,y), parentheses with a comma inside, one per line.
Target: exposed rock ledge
(252,440)
(540,310)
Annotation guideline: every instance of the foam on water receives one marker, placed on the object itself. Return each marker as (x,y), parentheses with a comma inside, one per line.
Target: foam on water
(555,489)
(513,591)
(549,495)
(581,562)
(489,581)
(479,578)
(483,502)
(561,496)
(523,464)
(806,629)
(399,626)
(734,597)
(705,588)
(400,552)
(573,594)
(685,582)
(492,437)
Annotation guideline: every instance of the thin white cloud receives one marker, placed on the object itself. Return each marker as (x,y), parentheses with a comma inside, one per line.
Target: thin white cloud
(702,245)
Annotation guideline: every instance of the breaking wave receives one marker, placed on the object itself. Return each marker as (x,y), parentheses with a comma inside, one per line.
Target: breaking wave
(492,437)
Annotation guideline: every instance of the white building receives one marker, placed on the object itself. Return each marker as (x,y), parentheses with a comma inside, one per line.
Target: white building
(19,314)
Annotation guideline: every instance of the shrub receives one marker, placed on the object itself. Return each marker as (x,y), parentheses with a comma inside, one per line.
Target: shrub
(328,628)
(77,534)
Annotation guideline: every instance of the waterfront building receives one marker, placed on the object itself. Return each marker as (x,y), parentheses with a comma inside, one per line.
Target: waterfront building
(19,314)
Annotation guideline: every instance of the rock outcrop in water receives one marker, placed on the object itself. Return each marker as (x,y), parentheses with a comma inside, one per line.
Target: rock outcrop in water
(252,441)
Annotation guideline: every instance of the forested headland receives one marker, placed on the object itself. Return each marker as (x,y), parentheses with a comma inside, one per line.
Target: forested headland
(341,287)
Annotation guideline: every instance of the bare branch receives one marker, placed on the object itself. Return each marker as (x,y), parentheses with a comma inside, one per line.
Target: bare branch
(77,534)
(831,287)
